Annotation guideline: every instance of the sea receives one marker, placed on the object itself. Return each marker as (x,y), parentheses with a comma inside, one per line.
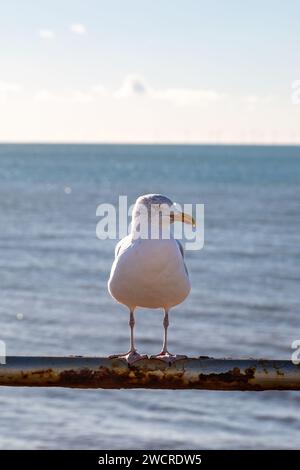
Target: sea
(244,301)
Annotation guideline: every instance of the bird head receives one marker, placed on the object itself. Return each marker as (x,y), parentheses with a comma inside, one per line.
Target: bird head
(157,211)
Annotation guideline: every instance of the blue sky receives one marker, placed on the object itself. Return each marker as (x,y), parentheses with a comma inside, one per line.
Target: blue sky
(149,71)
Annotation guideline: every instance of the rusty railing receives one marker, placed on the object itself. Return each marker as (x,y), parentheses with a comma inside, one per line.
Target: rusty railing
(190,373)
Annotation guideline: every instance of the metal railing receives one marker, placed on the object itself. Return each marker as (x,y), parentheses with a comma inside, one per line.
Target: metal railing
(190,373)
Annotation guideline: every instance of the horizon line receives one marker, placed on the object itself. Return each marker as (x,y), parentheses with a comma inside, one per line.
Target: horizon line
(149,143)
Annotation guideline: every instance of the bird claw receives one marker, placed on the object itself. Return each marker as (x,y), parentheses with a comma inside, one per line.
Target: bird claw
(131,357)
(165,356)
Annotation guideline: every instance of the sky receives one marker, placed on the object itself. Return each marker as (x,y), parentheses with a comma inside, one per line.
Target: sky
(168,71)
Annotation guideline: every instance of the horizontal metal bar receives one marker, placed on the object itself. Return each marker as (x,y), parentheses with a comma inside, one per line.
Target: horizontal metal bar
(190,373)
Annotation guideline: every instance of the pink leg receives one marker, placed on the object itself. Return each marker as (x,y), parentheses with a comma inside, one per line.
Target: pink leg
(164,355)
(132,355)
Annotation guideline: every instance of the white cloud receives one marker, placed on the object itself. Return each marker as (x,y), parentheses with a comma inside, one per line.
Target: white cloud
(46,34)
(135,85)
(69,96)
(251,99)
(82,97)
(9,87)
(188,96)
(99,90)
(78,28)
(46,96)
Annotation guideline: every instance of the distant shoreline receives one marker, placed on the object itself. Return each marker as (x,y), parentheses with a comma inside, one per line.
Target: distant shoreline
(154,144)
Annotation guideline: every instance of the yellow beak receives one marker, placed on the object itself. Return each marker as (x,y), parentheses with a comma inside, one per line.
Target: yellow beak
(183,217)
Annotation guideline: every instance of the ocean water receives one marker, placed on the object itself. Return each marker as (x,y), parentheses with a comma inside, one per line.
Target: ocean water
(54,301)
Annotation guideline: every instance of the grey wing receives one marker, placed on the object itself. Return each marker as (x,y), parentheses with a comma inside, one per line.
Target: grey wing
(182,254)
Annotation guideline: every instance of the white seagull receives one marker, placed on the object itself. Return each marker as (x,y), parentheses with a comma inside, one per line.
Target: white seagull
(149,269)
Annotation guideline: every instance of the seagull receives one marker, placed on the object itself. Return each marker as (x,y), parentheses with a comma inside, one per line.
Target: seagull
(149,269)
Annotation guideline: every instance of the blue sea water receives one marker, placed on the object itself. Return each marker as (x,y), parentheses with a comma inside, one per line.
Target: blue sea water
(54,301)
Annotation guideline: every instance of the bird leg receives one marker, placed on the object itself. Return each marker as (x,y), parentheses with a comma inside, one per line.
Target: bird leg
(132,355)
(164,355)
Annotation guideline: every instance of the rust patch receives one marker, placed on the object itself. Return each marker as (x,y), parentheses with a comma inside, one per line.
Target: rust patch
(278,371)
(41,372)
(232,380)
(36,378)
(157,378)
(90,378)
